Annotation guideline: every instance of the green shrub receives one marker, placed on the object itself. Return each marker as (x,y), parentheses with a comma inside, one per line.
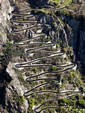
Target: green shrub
(31,102)
(20,100)
(81,103)
(66,101)
(84,14)
(64,49)
(53,68)
(5,58)
(67,58)
(64,79)
(57,45)
(66,12)
(35,69)
(48,38)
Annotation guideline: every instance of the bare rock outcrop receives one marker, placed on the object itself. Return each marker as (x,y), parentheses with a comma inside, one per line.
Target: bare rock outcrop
(5,15)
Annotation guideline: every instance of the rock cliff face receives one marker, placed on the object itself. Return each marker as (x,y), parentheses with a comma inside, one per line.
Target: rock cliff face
(5,15)
(75,36)
(10,92)
(77,39)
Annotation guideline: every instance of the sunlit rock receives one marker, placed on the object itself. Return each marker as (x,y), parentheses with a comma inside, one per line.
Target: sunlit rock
(54,46)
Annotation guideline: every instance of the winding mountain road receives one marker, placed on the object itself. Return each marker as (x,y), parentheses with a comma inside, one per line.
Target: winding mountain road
(40,42)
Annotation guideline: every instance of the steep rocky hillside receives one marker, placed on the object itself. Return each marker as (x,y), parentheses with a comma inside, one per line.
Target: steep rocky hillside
(5,15)
(42,56)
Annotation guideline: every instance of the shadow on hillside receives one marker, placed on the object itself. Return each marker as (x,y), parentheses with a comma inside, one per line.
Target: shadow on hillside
(4,80)
(37,3)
